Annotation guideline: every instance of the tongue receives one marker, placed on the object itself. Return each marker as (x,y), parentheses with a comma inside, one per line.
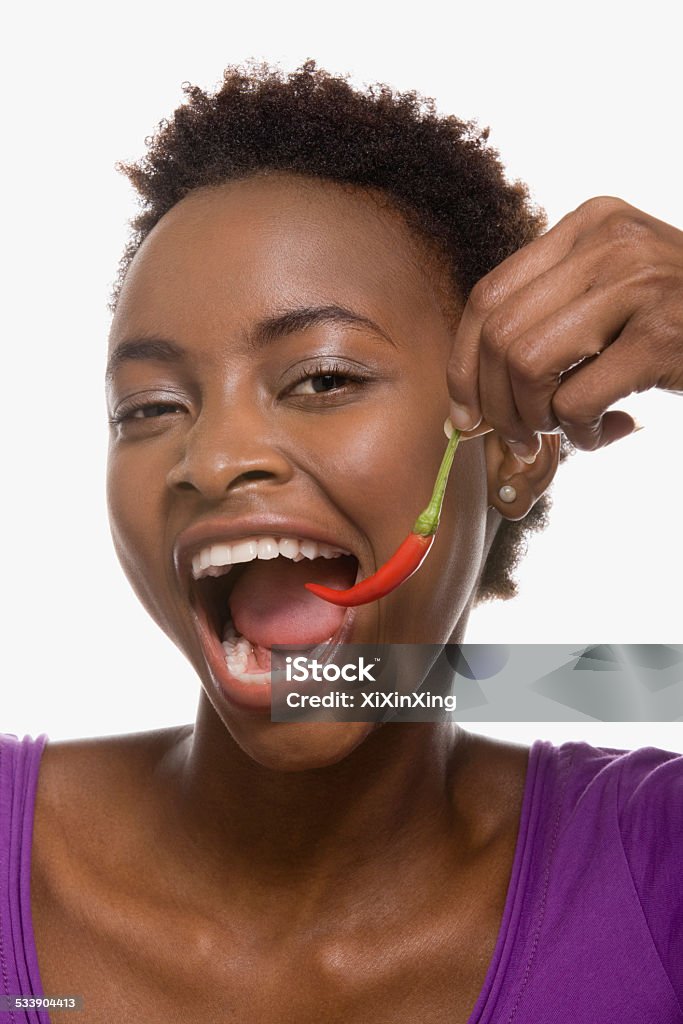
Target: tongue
(270,605)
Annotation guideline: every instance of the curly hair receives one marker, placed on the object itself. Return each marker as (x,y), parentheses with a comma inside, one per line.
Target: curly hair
(438,171)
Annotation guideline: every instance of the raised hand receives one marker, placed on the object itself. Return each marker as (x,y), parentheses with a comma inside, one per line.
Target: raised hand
(581,317)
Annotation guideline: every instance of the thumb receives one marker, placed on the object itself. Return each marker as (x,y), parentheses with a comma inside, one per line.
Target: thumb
(467,435)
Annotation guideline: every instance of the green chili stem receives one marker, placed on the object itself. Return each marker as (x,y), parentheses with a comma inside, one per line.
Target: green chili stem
(428,520)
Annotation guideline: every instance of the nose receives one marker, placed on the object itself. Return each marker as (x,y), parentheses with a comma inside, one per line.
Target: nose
(226,450)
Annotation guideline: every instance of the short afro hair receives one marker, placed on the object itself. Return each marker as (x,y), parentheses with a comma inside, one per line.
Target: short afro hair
(438,171)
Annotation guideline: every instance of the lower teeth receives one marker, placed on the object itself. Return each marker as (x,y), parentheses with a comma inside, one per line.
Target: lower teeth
(241,657)
(238,652)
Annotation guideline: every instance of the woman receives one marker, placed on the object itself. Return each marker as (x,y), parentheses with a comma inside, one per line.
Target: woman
(277,387)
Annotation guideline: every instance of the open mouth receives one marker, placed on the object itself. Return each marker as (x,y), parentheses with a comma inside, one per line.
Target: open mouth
(249,596)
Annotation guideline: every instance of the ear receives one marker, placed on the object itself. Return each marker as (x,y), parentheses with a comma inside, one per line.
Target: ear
(528,480)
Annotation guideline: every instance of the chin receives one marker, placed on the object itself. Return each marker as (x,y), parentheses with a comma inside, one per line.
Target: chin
(298,746)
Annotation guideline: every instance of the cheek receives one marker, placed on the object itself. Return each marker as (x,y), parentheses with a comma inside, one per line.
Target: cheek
(459,546)
(374,471)
(378,461)
(428,607)
(378,464)
(137,519)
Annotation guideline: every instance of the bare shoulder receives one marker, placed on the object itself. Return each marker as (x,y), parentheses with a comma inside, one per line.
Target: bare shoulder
(503,760)
(85,785)
(492,783)
(89,874)
(90,822)
(71,770)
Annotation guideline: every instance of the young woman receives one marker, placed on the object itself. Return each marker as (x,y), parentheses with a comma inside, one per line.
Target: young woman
(317,279)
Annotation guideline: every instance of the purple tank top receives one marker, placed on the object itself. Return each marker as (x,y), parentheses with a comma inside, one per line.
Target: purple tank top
(592,930)
(19,975)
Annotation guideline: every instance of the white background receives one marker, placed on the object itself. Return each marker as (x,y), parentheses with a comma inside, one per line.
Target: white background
(583,100)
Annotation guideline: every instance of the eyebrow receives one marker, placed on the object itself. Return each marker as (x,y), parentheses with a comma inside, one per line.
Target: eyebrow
(158,349)
(280,325)
(264,333)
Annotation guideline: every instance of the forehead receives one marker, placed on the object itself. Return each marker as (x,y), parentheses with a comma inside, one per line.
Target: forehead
(237,252)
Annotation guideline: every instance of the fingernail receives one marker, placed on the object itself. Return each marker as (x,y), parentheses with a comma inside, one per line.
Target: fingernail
(461,417)
(448,429)
(638,426)
(523,452)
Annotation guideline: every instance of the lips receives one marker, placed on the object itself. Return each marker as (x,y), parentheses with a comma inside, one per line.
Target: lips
(257,567)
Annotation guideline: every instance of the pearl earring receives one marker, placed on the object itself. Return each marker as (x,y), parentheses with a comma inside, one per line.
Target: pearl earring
(507,493)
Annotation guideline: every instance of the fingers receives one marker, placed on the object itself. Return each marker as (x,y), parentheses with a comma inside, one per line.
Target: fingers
(507,342)
(564,373)
(518,383)
(523,354)
(580,401)
(520,290)
(467,435)
(578,319)
(526,287)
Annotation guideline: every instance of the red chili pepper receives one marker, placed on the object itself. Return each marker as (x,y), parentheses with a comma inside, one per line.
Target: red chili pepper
(408,558)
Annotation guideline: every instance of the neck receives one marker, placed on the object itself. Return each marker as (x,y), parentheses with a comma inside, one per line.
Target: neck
(233,819)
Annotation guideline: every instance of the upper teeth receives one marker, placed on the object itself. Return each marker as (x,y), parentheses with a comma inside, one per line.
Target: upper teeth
(215,559)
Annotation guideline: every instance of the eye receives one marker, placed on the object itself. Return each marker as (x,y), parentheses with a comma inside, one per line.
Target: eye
(326,378)
(154,409)
(135,412)
(320,383)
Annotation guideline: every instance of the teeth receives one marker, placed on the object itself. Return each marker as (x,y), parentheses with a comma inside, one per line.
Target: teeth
(238,650)
(237,653)
(329,552)
(216,559)
(289,547)
(268,548)
(221,554)
(244,551)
